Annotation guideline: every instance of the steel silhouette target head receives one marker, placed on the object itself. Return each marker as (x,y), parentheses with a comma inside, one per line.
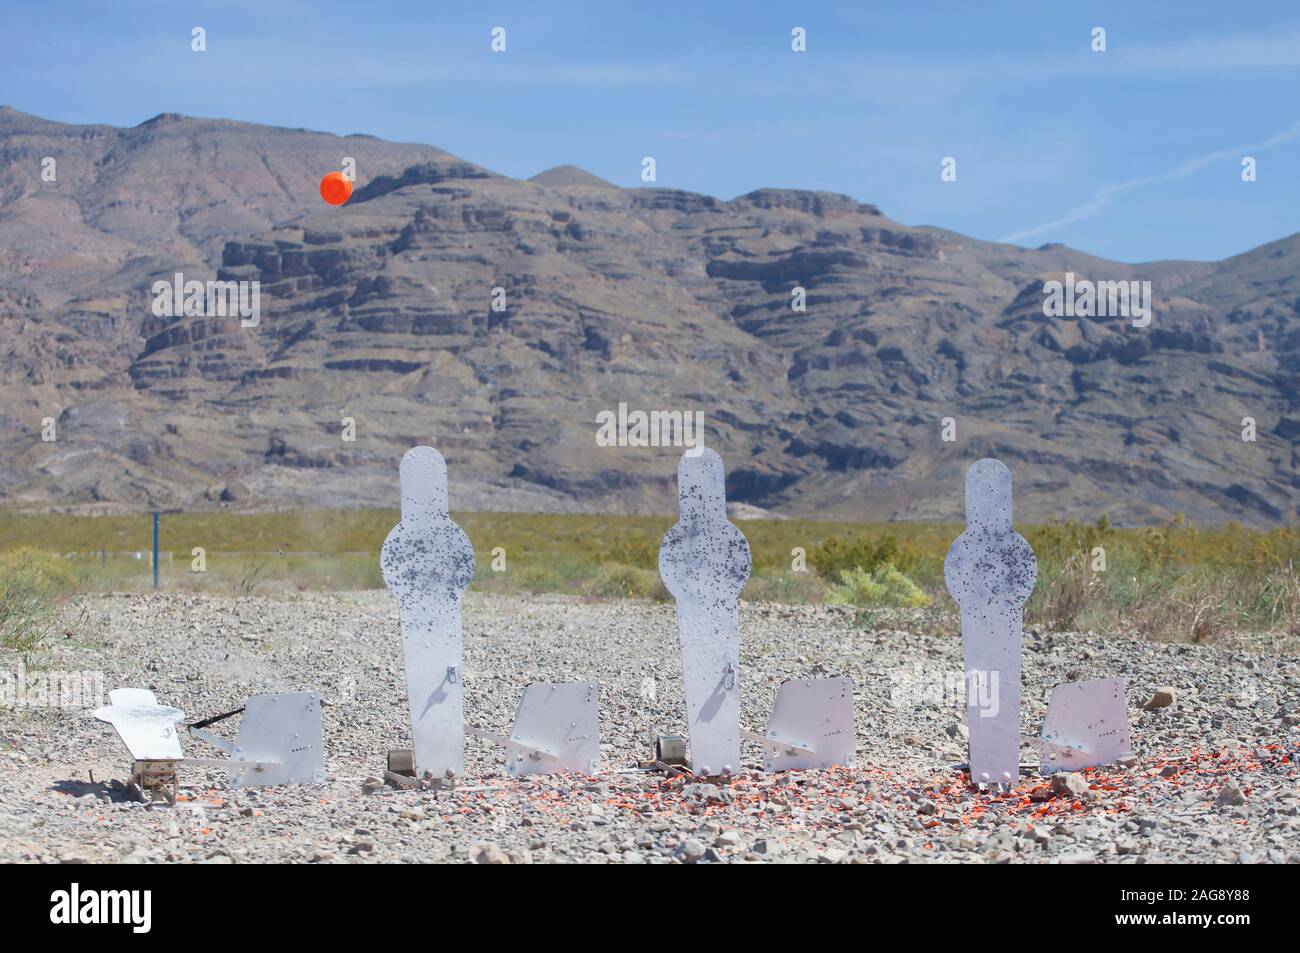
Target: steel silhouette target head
(990,564)
(147,729)
(426,554)
(703,558)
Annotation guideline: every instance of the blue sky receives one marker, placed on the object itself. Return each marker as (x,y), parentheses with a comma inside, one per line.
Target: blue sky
(1131,154)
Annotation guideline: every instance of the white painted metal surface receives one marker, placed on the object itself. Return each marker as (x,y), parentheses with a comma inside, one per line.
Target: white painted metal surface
(1086,726)
(990,572)
(285,731)
(556,730)
(704,562)
(279,739)
(147,728)
(427,562)
(811,725)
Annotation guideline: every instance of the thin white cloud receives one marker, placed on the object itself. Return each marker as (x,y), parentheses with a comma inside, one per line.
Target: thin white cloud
(1105,195)
(1277,48)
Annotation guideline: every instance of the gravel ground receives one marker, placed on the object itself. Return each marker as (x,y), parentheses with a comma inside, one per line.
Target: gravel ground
(1214,778)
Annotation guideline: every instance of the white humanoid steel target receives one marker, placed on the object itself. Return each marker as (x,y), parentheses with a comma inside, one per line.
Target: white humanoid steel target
(704,562)
(990,572)
(427,562)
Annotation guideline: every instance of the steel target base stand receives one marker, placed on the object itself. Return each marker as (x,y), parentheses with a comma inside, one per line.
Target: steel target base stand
(154,780)
(1086,726)
(399,772)
(669,757)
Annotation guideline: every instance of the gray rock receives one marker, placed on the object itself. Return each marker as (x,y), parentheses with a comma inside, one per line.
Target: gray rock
(729,840)
(1069,784)
(692,850)
(1162,697)
(1230,795)
(488,853)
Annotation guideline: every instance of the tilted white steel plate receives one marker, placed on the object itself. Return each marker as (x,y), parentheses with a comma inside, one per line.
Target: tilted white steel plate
(427,562)
(990,572)
(556,729)
(815,714)
(704,562)
(1089,717)
(283,732)
(146,728)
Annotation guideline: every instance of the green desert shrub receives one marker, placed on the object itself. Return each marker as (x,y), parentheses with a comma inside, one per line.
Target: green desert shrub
(885,587)
(32,586)
(617,579)
(836,555)
(537,579)
(777,585)
(641,552)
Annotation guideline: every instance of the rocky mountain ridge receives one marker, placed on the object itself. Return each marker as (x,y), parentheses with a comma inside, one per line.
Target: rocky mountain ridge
(496,317)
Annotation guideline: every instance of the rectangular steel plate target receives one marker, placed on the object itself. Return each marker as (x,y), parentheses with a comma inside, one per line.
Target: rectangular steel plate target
(556,729)
(815,714)
(1088,718)
(284,729)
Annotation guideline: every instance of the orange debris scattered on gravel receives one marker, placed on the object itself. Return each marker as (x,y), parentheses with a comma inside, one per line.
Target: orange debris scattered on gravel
(801,799)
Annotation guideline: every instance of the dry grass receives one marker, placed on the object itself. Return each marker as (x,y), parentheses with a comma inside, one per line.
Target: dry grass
(1172,582)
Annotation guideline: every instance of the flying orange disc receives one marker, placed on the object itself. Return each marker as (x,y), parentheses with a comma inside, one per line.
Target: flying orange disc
(335,188)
